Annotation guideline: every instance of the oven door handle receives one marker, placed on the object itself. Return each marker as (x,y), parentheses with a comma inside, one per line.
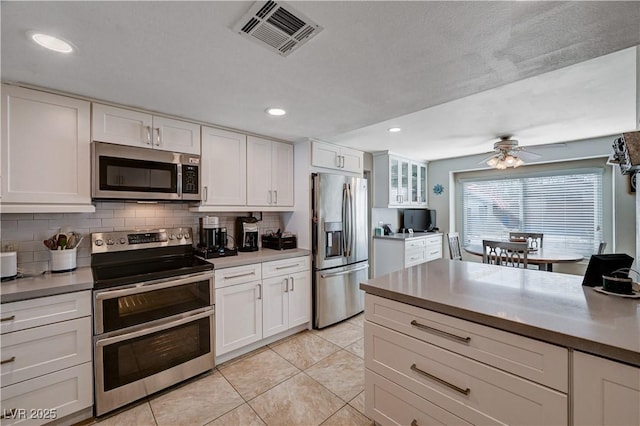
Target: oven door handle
(151,286)
(145,331)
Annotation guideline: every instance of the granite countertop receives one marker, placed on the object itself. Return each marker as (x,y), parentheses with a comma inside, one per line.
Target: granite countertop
(47,284)
(262,255)
(407,236)
(547,306)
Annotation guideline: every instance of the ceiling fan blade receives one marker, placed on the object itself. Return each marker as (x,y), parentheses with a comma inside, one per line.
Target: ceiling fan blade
(484,161)
(527,155)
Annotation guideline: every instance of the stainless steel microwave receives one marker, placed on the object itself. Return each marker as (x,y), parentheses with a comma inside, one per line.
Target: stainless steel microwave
(120,172)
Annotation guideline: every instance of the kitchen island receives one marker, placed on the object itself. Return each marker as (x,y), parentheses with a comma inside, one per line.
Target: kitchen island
(446,335)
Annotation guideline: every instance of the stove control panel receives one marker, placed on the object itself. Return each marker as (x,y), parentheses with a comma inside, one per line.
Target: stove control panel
(102,242)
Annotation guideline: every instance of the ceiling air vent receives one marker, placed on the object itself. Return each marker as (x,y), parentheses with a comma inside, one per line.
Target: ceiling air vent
(277,26)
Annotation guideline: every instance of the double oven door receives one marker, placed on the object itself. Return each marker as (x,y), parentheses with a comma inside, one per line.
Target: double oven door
(151,335)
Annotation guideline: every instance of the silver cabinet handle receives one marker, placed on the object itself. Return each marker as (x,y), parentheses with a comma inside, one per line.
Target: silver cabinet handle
(337,161)
(439,380)
(440,333)
(342,161)
(293,265)
(270,197)
(286,285)
(259,291)
(11,318)
(275,197)
(7,361)
(206,193)
(228,277)
(148,134)
(157,136)
(291,283)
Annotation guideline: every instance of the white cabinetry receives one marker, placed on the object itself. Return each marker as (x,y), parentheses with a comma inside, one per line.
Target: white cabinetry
(399,182)
(134,128)
(45,152)
(238,307)
(269,173)
(46,358)
(224,168)
(605,392)
(441,369)
(257,301)
(393,254)
(336,157)
(287,294)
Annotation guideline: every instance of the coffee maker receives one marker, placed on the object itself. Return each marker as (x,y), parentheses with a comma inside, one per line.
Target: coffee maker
(213,239)
(247,233)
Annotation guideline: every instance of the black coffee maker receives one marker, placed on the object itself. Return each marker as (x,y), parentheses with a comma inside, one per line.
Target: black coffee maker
(247,233)
(213,239)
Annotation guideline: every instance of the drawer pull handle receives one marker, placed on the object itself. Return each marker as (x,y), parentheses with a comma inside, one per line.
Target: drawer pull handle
(228,277)
(11,318)
(288,266)
(7,361)
(414,422)
(441,333)
(439,380)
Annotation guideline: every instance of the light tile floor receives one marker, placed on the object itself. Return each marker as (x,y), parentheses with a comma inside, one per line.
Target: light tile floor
(312,378)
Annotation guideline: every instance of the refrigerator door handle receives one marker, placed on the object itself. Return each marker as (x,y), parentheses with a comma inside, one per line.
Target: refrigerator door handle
(348,271)
(345,219)
(351,227)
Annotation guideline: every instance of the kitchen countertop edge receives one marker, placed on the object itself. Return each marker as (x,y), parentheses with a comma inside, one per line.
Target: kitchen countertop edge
(262,255)
(402,237)
(45,285)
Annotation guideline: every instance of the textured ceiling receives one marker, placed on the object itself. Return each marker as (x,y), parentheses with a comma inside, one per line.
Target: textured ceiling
(374,62)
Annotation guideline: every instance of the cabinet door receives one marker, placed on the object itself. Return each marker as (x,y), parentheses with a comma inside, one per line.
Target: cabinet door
(422,184)
(605,392)
(224,168)
(259,188)
(404,182)
(45,148)
(325,155)
(121,126)
(175,135)
(275,306)
(414,187)
(282,173)
(238,316)
(394,181)
(299,298)
(352,160)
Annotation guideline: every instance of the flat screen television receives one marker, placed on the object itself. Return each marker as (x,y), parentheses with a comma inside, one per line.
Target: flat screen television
(420,220)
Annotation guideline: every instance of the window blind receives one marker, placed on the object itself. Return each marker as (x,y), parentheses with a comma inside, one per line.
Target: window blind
(565,207)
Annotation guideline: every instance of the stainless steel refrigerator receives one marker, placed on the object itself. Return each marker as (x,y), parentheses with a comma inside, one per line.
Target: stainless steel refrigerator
(340,247)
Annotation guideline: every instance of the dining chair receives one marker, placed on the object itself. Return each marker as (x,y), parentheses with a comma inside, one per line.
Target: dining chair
(504,253)
(601,247)
(534,239)
(454,246)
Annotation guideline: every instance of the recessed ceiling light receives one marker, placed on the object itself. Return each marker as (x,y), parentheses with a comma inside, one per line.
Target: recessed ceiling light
(51,42)
(394,129)
(275,111)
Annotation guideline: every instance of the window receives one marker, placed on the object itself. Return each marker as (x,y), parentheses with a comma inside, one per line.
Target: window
(565,206)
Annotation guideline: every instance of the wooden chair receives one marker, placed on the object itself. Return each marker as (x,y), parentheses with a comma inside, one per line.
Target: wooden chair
(454,246)
(504,253)
(534,239)
(601,247)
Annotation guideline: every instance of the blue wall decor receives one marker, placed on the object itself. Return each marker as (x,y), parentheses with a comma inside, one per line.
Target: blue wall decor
(438,189)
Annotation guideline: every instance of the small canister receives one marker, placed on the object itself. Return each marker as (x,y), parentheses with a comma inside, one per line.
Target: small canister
(63,260)
(9,264)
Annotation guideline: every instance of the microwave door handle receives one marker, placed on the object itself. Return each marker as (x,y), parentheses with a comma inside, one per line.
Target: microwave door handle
(179,186)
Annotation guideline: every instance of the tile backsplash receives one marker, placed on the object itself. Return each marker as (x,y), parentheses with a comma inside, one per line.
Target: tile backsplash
(25,232)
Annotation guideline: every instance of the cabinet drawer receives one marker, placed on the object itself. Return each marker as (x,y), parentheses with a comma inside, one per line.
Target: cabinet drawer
(415,256)
(285,266)
(30,353)
(433,253)
(450,380)
(387,403)
(44,310)
(414,243)
(237,275)
(57,394)
(538,361)
(435,241)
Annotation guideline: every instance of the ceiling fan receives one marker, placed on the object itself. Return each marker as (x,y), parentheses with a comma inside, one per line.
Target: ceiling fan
(507,153)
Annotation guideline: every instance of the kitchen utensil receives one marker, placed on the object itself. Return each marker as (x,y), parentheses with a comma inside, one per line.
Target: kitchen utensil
(62,241)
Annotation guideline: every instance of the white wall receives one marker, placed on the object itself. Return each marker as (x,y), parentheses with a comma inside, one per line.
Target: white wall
(624,238)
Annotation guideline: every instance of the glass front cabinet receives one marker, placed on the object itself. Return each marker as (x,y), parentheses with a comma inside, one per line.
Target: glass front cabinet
(399,182)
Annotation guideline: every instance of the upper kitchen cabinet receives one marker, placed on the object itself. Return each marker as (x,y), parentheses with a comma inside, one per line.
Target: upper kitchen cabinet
(224,168)
(399,182)
(134,128)
(45,152)
(336,157)
(269,173)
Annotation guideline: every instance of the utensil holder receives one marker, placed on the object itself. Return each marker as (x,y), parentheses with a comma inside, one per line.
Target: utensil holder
(63,260)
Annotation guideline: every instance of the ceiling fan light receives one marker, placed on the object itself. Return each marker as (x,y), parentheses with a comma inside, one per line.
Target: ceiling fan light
(519,162)
(492,162)
(510,160)
(501,165)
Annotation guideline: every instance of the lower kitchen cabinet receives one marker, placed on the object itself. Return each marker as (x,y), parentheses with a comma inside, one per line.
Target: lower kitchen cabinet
(402,251)
(427,368)
(605,392)
(257,301)
(46,365)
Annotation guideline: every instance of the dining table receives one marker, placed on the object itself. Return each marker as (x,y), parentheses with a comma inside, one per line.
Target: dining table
(544,257)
